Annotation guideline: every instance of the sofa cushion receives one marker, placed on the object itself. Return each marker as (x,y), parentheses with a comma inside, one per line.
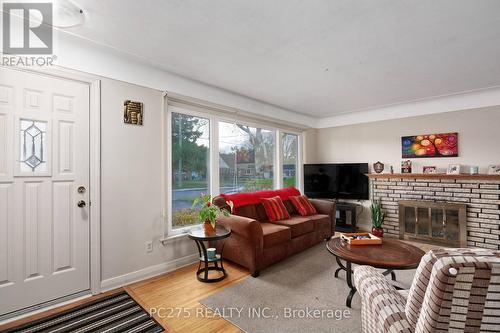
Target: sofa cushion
(299,225)
(275,209)
(321,221)
(290,207)
(247,211)
(275,234)
(303,205)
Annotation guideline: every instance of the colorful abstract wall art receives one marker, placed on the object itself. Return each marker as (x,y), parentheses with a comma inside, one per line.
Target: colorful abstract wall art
(430,145)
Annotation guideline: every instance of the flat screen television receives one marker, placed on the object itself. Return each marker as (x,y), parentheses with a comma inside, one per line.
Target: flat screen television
(336,181)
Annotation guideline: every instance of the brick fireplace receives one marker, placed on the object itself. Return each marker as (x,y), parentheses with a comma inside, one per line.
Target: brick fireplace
(480,194)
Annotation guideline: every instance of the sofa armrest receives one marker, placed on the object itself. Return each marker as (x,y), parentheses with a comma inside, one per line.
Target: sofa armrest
(244,227)
(324,207)
(382,306)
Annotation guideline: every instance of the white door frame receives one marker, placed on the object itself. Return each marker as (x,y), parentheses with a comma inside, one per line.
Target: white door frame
(94,84)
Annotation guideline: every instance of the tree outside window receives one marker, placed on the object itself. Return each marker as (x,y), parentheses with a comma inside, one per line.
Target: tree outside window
(190,170)
(290,149)
(246,158)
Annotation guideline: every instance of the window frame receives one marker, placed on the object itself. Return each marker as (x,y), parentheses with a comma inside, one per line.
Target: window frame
(298,170)
(213,159)
(171,231)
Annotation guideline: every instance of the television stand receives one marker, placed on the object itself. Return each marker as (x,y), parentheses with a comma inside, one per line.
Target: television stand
(346,216)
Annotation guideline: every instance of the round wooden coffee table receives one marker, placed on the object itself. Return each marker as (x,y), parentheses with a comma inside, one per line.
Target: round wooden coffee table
(391,255)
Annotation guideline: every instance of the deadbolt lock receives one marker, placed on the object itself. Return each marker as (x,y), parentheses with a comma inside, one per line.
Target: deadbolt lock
(81,189)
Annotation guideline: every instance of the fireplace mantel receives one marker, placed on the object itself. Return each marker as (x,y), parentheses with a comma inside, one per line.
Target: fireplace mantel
(432,176)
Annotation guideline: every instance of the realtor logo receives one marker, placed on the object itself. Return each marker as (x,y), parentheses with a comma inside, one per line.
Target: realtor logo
(27,28)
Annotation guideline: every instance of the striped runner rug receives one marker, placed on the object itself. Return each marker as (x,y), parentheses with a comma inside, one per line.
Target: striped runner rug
(115,313)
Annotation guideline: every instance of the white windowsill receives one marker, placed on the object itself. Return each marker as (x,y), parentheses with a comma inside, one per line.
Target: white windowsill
(174,238)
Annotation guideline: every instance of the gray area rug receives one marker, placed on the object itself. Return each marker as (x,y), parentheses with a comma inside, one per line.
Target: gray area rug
(299,294)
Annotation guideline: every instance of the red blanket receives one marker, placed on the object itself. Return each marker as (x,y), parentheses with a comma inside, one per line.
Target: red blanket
(252,198)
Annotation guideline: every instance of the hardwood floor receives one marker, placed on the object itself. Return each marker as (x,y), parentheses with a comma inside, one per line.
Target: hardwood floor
(176,297)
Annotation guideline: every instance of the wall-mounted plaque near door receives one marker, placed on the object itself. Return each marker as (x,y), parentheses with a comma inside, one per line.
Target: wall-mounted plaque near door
(133,112)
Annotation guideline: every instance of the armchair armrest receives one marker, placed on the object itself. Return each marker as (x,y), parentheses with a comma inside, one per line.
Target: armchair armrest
(382,306)
(244,227)
(324,207)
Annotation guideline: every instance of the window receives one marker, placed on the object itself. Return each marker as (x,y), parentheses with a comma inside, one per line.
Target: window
(290,152)
(246,158)
(190,166)
(249,158)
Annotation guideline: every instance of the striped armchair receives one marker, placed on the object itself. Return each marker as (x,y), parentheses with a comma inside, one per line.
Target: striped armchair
(454,290)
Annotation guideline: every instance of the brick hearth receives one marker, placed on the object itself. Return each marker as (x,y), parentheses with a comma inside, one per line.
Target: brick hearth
(482,198)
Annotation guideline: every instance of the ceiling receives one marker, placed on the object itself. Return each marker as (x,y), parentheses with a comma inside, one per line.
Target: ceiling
(315,57)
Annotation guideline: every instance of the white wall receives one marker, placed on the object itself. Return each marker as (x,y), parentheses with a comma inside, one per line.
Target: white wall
(131,187)
(309,146)
(89,57)
(478,130)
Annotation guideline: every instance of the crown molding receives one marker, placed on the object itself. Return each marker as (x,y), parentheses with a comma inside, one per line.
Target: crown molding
(449,103)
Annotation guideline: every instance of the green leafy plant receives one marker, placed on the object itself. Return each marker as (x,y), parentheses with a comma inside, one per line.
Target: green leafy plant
(207,211)
(378,216)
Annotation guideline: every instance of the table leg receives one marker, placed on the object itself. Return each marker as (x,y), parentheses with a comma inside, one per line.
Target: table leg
(349,284)
(205,259)
(341,267)
(393,274)
(221,259)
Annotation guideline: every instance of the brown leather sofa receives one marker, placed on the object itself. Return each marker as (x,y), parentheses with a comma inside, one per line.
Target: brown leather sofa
(256,243)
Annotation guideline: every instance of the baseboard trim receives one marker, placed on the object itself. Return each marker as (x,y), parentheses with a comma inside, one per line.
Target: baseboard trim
(148,272)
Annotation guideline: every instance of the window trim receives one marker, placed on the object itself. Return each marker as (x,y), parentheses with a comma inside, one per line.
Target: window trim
(213,163)
(171,231)
(298,171)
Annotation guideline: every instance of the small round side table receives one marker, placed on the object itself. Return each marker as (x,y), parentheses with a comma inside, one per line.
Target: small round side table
(200,237)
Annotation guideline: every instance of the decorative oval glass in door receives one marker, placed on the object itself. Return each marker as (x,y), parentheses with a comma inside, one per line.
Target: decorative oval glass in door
(33,139)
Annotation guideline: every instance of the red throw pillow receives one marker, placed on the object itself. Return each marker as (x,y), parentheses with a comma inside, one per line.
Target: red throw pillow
(303,205)
(275,209)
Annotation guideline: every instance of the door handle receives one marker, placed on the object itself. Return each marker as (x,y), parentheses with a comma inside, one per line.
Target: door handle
(81,204)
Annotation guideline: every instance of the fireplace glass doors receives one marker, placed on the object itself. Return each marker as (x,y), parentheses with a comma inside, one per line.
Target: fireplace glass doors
(435,222)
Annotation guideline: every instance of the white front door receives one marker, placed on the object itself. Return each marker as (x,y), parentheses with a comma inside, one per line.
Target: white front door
(44,159)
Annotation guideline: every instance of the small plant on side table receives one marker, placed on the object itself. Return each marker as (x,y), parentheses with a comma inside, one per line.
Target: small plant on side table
(378,217)
(208,213)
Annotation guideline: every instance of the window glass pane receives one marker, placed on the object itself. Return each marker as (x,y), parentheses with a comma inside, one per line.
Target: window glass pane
(246,158)
(33,146)
(290,149)
(190,171)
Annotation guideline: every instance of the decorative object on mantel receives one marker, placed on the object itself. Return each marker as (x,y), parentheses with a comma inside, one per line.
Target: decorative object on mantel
(430,145)
(132,112)
(378,167)
(429,169)
(494,170)
(464,176)
(453,169)
(392,169)
(406,166)
(208,212)
(474,170)
(378,217)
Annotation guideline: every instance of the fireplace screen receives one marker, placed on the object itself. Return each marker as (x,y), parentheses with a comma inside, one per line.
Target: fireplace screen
(435,222)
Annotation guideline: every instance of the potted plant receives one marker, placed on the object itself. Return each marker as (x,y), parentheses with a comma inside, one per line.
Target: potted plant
(208,213)
(378,217)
